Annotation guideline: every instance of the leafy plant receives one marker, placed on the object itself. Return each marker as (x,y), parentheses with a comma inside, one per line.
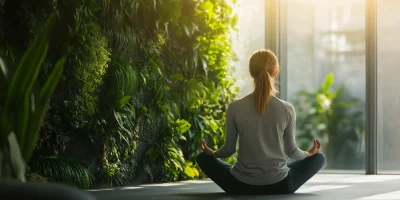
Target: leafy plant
(23,104)
(63,170)
(197,91)
(335,118)
(91,58)
(170,156)
(121,83)
(142,75)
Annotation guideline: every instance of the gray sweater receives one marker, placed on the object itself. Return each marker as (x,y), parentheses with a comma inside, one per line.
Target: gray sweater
(264,140)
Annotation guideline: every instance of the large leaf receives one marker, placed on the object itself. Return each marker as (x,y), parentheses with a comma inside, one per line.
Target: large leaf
(189,172)
(17,106)
(328,82)
(123,79)
(11,162)
(51,82)
(41,106)
(182,126)
(178,77)
(150,151)
(122,101)
(18,165)
(205,65)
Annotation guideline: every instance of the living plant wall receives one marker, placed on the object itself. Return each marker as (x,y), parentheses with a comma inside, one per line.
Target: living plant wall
(143,82)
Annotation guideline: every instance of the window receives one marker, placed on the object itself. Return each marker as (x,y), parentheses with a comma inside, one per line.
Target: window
(388,106)
(250,37)
(324,42)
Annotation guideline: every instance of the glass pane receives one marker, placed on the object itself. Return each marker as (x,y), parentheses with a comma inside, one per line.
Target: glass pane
(250,37)
(388,86)
(325,66)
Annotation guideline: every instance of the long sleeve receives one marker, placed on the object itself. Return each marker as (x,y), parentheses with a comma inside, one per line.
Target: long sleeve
(229,147)
(289,137)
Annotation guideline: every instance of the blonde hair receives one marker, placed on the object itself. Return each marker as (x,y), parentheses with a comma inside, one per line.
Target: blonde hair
(263,65)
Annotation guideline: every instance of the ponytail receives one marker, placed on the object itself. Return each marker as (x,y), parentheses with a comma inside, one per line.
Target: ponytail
(262,91)
(263,63)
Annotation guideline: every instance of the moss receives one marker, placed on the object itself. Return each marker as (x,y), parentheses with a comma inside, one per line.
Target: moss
(91,63)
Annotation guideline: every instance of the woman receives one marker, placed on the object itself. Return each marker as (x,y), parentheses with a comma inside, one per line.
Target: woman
(265,126)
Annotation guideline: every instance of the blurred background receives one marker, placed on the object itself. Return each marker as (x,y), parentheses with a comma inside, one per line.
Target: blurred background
(323,59)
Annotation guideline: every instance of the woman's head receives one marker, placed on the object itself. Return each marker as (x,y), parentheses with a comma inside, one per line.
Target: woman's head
(264,67)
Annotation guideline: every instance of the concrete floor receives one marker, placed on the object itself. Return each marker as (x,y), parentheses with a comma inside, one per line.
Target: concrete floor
(321,187)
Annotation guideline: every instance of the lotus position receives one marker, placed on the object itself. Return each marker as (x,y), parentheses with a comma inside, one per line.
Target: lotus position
(265,127)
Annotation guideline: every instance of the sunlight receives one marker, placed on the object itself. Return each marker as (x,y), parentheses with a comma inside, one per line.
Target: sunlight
(385,196)
(131,188)
(324,178)
(315,188)
(163,185)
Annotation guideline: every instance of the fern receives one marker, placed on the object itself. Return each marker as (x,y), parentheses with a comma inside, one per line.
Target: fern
(63,170)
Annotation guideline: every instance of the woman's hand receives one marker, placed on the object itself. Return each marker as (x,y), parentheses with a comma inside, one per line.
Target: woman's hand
(315,149)
(205,149)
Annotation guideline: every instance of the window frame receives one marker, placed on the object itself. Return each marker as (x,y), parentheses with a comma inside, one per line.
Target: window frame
(276,40)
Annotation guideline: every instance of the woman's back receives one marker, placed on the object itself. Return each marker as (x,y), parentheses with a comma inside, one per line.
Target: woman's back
(264,140)
(266,128)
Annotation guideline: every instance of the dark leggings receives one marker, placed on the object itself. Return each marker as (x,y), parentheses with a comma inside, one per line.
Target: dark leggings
(300,172)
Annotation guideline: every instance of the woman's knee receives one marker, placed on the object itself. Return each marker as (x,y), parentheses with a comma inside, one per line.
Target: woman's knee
(202,158)
(320,158)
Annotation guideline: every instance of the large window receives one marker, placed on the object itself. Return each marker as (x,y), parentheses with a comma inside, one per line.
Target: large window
(324,65)
(322,48)
(249,38)
(388,67)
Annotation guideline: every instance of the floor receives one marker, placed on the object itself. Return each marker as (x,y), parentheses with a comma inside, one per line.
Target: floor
(321,187)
